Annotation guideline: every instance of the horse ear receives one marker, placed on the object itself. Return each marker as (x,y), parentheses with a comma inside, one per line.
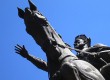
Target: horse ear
(21,13)
(32,5)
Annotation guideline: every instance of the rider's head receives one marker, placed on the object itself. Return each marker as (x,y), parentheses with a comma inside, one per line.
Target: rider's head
(81,41)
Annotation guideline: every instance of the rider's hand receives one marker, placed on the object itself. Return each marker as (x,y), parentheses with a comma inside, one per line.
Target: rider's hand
(21,50)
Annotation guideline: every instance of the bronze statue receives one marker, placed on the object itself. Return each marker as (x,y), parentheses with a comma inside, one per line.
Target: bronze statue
(62,63)
(98,55)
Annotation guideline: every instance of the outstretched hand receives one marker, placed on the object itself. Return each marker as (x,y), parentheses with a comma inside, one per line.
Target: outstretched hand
(21,50)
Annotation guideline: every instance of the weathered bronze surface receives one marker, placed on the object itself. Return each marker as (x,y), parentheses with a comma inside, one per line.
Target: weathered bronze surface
(61,63)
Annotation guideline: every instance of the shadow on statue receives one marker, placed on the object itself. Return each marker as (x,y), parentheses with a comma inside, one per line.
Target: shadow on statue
(61,64)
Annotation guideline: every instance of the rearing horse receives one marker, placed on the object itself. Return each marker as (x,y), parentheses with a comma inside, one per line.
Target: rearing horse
(62,63)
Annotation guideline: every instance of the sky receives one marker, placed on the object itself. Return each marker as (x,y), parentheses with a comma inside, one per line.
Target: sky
(68,17)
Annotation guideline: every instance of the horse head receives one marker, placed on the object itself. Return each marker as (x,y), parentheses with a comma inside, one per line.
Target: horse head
(31,14)
(34,21)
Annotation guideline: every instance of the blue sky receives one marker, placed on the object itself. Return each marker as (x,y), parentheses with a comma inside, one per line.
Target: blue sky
(68,17)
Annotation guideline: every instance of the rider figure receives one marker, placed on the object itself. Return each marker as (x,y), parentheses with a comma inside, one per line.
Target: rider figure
(95,57)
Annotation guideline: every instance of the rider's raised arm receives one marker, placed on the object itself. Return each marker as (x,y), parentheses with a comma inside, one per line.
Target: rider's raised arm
(36,61)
